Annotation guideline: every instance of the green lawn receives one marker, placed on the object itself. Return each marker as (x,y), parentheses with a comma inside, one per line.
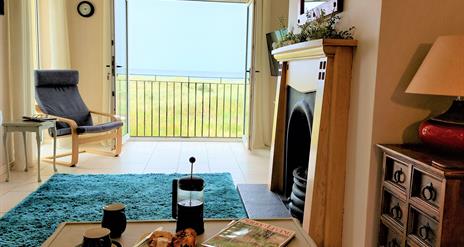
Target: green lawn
(183,107)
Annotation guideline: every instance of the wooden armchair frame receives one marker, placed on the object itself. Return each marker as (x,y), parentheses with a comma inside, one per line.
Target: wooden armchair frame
(79,139)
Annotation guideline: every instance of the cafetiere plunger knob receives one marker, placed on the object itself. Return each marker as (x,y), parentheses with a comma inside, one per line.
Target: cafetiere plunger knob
(192,160)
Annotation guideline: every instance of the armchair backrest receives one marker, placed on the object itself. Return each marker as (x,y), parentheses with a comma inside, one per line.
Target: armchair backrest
(57,94)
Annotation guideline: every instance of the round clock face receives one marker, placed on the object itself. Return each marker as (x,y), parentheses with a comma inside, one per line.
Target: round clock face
(85,9)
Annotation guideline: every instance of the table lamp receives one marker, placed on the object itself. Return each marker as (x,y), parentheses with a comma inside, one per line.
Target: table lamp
(442,73)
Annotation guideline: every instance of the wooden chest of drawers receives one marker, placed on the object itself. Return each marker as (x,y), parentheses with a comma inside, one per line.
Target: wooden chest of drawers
(422,197)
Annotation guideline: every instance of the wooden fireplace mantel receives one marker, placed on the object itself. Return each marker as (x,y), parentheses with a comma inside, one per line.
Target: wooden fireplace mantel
(310,49)
(321,66)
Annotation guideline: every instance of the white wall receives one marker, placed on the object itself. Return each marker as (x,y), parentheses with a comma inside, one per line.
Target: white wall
(365,16)
(87,37)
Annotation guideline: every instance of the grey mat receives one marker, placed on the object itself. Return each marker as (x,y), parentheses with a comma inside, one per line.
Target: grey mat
(260,202)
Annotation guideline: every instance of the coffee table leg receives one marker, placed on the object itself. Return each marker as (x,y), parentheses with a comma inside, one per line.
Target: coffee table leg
(38,135)
(5,147)
(25,150)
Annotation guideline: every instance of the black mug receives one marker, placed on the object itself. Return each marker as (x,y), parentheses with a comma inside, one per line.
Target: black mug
(114,219)
(97,237)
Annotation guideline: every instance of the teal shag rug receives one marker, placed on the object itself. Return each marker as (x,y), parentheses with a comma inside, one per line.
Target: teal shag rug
(66,197)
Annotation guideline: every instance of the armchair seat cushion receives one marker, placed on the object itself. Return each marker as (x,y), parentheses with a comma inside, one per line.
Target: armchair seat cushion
(89,129)
(99,127)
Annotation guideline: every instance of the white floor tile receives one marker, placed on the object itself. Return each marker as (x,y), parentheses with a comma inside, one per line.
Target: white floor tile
(29,187)
(11,199)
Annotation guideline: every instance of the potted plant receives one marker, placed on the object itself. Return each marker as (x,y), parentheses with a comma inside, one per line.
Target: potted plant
(322,27)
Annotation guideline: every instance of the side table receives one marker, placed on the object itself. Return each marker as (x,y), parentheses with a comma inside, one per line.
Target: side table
(29,126)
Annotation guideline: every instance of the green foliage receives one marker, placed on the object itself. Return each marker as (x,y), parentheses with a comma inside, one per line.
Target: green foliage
(323,27)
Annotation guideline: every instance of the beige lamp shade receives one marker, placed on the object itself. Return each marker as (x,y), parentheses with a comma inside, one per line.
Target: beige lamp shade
(442,71)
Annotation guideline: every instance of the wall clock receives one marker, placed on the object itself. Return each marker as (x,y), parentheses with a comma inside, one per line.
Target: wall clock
(85,9)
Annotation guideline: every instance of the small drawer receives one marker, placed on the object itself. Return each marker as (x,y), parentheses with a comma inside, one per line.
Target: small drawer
(394,208)
(426,188)
(389,237)
(422,228)
(396,172)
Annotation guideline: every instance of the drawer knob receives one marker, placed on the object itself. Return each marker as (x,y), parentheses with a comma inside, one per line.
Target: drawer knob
(393,243)
(429,193)
(396,212)
(424,232)
(399,176)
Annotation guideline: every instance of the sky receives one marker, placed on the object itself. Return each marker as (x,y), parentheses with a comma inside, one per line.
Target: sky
(186,37)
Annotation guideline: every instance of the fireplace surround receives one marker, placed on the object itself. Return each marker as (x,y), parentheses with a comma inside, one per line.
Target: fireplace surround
(321,68)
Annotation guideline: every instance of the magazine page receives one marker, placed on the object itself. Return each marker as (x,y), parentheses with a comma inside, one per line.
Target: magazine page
(247,232)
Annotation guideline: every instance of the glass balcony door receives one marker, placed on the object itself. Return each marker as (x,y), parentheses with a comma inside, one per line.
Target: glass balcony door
(119,64)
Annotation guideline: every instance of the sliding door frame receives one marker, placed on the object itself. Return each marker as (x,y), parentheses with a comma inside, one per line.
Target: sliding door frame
(113,66)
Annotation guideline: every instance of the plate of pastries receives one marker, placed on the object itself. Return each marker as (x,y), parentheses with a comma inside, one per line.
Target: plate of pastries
(160,238)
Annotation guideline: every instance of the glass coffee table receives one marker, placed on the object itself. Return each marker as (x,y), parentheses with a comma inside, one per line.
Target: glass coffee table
(70,233)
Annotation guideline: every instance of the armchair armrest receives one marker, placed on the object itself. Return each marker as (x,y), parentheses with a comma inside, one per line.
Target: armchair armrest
(113,117)
(72,124)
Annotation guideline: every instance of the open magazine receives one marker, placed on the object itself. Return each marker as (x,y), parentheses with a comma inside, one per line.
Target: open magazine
(247,232)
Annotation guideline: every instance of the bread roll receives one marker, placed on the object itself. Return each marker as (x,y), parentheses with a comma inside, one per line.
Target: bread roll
(161,239)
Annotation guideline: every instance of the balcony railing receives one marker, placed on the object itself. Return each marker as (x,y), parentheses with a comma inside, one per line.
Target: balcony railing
(174,106)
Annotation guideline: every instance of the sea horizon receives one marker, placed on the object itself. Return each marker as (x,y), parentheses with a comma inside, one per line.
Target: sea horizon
(207,74)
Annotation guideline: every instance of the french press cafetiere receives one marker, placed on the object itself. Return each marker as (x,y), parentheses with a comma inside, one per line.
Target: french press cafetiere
(187,201)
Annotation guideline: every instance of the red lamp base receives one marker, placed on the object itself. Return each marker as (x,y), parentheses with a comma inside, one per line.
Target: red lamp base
(448,137)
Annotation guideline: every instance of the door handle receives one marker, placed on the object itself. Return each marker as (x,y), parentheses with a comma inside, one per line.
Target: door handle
(118,66)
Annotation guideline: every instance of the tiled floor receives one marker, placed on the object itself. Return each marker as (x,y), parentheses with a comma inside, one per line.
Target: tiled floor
(149,157)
